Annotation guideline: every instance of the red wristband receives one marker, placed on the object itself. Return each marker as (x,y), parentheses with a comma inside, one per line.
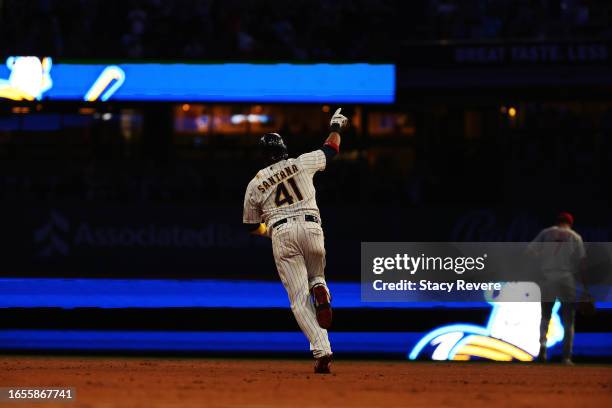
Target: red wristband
(333,146)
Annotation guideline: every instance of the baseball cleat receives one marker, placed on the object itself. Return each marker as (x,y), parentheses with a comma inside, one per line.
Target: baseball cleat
(567,361)
(323,364)
(322,304)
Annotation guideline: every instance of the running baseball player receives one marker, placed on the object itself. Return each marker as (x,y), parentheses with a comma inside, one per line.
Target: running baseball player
(559,262)
(280,203)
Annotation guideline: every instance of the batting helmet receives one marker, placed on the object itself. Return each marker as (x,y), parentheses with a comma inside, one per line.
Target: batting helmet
(274,147)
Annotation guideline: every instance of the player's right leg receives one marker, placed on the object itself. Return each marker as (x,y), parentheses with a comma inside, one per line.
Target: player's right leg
(294,276)
(568,314)
(313,243)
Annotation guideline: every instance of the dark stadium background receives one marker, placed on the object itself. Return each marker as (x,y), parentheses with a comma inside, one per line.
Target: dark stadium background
(502,118)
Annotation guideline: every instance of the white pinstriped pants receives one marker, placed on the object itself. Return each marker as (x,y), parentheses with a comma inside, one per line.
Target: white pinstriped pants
(299,253)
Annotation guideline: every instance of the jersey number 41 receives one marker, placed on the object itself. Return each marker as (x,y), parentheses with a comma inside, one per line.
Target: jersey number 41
(283,196)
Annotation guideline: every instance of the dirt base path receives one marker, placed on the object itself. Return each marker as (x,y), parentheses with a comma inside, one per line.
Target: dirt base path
(102,382)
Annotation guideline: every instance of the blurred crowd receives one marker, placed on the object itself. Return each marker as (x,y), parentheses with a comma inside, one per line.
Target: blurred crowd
(276,29)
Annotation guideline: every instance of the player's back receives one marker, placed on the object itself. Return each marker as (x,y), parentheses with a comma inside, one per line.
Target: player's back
(286,188)
(560,248)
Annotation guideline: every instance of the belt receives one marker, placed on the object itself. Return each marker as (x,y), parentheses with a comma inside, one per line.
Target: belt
(307,218)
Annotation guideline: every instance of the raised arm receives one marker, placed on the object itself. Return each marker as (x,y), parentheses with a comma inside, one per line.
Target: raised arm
(337,123)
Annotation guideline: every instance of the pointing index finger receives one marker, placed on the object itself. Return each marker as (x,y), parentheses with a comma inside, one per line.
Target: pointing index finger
(337,111)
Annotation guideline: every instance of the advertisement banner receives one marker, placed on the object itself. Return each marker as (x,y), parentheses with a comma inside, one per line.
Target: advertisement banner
(33,78)
(173,241)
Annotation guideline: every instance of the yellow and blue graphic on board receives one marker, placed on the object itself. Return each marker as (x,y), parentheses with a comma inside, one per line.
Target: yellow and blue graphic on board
(111,78)
(30,78)
(512,332)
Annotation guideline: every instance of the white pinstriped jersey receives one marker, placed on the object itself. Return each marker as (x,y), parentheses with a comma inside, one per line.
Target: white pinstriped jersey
(283,189)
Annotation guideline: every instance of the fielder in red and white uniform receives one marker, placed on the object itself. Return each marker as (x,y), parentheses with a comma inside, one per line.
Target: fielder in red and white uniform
(562,257)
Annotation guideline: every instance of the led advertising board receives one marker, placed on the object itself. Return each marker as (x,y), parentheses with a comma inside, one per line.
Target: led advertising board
(33,78)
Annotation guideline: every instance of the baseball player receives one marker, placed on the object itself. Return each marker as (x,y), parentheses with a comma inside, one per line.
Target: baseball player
(280,203)
(558,263)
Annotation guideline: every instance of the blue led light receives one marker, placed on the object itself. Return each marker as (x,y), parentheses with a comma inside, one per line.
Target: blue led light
(310,83)
(586,344)
(154,293)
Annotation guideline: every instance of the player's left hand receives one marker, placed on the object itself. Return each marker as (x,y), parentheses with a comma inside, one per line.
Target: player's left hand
(338,122)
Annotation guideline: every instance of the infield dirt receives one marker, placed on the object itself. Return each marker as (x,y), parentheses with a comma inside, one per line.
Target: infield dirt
(102,382)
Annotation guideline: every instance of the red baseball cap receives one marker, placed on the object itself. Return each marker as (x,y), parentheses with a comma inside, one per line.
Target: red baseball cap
(565,217)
